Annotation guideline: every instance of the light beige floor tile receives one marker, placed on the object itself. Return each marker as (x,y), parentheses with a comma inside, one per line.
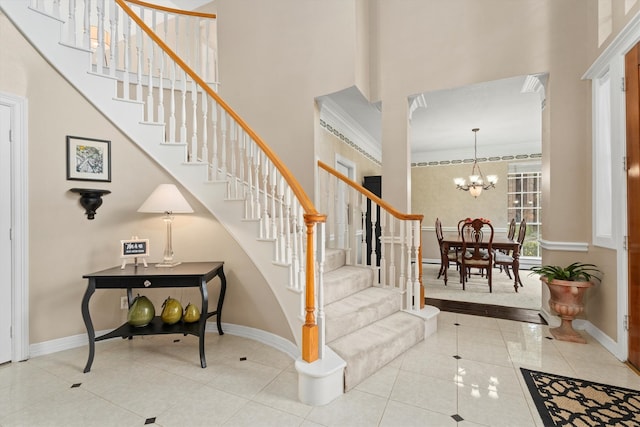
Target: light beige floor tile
(398,414)
(425,392)
(243,378)
(70,408)
(478,322)
(480,335)
(255,414)
(443,342)
(380,383)
(484,352)
(353,409)
(494,409)
(282,394)
(488,377)
(204,405)
(443,366)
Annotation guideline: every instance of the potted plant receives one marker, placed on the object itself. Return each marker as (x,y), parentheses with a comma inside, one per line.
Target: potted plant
(567,286)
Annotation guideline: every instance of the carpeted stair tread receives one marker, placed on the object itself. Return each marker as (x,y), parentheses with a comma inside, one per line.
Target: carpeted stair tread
(370,348)
(345,281)
(360,309)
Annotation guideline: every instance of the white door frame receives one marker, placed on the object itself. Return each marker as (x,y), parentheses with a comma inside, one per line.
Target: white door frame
(19,226)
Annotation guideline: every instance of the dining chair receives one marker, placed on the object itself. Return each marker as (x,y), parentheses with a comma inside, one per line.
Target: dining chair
(476,252)
(505,260)
(446,256)
(512,229)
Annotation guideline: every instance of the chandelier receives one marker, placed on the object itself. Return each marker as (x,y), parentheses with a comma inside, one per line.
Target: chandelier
(476,179)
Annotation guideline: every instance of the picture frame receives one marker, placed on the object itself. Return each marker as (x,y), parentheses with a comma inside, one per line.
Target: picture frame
(88,159)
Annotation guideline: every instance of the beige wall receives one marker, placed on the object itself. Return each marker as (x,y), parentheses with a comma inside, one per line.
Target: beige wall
(64,245)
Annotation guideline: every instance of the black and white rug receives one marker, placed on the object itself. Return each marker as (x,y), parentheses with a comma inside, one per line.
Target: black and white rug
(564,401)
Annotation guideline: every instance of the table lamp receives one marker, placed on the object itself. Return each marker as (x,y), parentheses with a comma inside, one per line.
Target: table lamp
(167,199)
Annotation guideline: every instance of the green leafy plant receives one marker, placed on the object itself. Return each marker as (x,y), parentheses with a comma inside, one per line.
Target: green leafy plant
(576,272)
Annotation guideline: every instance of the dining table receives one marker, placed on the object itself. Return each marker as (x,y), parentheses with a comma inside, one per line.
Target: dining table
(454,240)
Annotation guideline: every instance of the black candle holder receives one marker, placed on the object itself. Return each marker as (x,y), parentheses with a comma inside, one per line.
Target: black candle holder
(90,199)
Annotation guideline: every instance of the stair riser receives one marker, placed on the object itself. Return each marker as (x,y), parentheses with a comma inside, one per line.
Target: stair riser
(338,285)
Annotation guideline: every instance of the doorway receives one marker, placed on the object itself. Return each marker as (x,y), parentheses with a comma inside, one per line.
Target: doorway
(632,74)
(14,325)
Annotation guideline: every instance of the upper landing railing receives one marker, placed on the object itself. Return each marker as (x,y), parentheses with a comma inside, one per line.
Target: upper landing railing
(167,60)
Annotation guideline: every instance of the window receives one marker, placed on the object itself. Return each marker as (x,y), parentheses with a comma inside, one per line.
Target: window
(523,202)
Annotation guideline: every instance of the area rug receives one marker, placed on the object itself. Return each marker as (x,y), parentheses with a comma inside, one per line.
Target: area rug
(564,401)
(477,289)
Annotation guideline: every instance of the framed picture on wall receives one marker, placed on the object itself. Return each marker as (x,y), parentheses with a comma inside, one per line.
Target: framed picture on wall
(88,159)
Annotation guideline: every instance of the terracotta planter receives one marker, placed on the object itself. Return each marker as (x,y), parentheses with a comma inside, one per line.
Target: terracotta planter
(566,300)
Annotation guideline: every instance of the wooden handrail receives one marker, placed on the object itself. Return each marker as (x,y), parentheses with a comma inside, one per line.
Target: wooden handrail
(310,330)
(370,195)
(305,201)
(171,10)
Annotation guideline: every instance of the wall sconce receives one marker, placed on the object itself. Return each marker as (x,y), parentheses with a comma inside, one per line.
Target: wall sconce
(90,199)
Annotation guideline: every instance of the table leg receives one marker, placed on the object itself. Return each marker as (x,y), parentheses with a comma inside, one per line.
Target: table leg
(91,287)
(516,272)
(445,249)
(223,291)
(203,320)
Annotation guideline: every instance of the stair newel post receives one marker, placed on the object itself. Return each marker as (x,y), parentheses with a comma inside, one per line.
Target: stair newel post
(320,258)
(310,337)
(382,279)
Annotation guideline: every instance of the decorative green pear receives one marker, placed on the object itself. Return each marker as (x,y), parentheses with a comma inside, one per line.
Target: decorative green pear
(141,311)
(171,311)
(191,314)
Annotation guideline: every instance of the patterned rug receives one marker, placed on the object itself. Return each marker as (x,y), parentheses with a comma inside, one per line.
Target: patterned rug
(564,401)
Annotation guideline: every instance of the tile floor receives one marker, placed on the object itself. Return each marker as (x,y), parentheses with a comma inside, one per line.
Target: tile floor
(468,371)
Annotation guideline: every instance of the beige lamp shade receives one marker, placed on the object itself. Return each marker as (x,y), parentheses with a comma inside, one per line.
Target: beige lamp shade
(166,198)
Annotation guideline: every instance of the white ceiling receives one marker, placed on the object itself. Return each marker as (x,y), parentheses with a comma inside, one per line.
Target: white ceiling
(509,119)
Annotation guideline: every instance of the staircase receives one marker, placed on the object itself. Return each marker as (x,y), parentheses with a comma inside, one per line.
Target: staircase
(366,316)
(365,325)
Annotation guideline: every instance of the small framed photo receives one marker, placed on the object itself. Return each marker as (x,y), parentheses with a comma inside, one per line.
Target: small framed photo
(134,248)
(88,159)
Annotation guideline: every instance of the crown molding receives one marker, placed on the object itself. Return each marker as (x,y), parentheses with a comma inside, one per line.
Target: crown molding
(340,123)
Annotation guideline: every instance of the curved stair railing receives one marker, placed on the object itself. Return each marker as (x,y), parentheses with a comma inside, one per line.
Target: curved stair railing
(139,49)
(353,215)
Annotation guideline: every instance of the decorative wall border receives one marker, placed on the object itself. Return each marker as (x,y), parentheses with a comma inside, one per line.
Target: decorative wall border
(350,143)
(480,159)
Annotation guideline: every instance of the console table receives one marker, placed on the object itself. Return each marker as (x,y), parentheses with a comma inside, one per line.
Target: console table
(188,274)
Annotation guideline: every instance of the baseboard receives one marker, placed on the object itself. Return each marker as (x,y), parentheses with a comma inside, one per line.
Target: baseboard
(584,325)
(267,338)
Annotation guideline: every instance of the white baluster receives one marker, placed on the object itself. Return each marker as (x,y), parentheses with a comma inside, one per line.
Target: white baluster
(214,140)
(223,148)
(264,220)
(273,233)
(193,152)
(401,279)
(392,252)
(407,248)
(183,110)
(383,238)
(172,104)
(416,267)
(256,182)
(363,226)
(71,24)
(113,48)
(280,249)
(126,35)
(373,215)
(150,67)
(86,27)
(139,41)
(205,127)
(99,50)
(233,139)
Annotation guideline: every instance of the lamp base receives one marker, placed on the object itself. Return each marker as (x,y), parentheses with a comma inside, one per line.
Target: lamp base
(168,264)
